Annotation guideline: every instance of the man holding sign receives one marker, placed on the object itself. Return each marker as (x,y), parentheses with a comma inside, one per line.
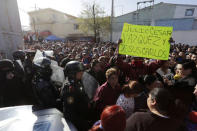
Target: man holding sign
(143,41)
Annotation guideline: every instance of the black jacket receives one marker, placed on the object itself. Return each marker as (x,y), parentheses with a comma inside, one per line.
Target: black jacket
(147,121)
(76,104)
(183,89)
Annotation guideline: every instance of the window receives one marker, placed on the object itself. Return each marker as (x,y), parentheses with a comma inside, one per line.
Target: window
(194,27)
(76,26)
(189,12)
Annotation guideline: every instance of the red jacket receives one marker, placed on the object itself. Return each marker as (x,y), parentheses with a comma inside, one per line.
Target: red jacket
(106,96)
(134,72)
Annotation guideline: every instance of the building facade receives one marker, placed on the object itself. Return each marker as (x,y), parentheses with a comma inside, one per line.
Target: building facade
(58,23)
(183,18)
(10,28)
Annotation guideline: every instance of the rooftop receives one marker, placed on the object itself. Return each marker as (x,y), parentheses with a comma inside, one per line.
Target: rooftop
(50,9)
(161,3)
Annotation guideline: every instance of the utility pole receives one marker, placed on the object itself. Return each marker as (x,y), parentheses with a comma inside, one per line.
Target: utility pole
(34,25)
(143,2)
(94,19)
(153,21)
(111,21)
(35,7)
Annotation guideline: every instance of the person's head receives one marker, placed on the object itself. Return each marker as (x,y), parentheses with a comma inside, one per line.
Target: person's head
(61,55)
(112,77)
(102,60)
(188,57)
(95,50)
(132,89)
(174,55)
(102,49)
(64,62)
(95,56)
(42,66)
(194,57)
(137,61)
(73,55)
(172,62)
(113,118)
(165,65)
(160,100)
(190,54)
(182,55)
(150,81)
(189,68)
(179,69)
(111,51)
(128,58)
(189,50)
(106,53)
(19,55)
(85,55)
(95,66)
(6,69)
(70,56)
(30,55)
(74,70)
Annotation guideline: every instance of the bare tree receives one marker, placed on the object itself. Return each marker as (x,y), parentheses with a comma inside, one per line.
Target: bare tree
(94,19)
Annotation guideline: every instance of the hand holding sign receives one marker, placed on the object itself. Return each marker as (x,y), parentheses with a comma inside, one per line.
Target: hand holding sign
(119,41)
(145,41)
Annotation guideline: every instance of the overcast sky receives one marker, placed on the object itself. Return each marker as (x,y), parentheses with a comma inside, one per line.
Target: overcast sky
(74,7)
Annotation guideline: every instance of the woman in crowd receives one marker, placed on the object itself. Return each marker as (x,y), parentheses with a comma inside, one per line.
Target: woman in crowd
(113,118)
(108,93)
(127,99)
(162,115)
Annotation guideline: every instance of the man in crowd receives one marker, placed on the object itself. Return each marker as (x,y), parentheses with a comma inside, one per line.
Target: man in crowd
(75,99)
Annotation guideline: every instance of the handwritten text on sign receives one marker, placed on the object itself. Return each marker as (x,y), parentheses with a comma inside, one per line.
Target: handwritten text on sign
(146,41)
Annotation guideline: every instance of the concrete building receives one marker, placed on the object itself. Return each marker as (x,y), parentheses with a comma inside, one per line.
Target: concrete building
(10,28)
(182,17)
(58,23)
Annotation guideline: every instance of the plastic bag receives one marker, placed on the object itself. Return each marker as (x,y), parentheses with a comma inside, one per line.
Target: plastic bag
(37,55)
(48,53)
(57,74)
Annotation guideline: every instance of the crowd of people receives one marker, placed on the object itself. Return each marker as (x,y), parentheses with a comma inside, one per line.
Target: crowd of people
(102,90)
